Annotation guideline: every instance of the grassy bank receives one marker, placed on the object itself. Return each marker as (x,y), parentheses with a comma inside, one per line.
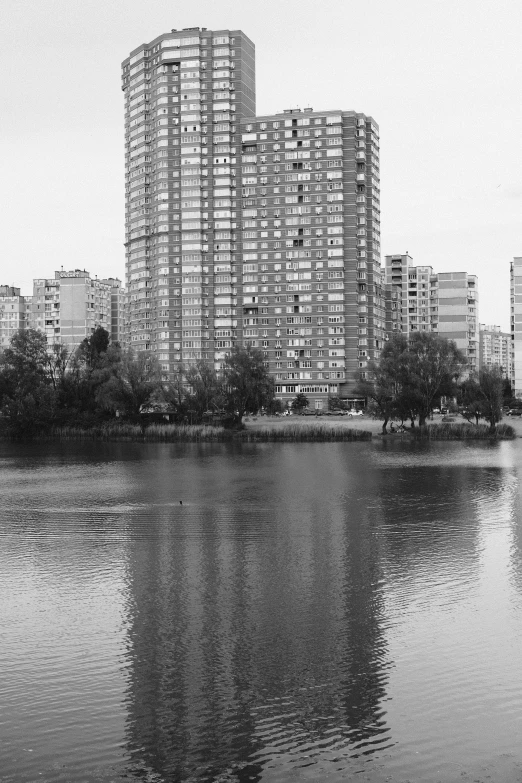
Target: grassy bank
(464,432)
(172,433)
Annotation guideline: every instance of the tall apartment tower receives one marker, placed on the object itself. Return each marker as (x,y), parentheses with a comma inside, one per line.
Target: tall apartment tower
(311,276)
(516,325)
(185,95)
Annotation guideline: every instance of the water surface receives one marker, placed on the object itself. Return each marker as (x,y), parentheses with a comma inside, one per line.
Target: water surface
(309,611)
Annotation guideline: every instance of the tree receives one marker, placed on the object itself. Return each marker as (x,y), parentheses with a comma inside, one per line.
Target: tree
(336,403)
(134,385)
(204,389)
(431,366)
(247,386)
(482,396)
(27,396)
(300,402)
(385,379)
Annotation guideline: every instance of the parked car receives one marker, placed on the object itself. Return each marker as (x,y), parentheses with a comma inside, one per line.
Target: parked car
(515,412)
(436,410)
(354,413)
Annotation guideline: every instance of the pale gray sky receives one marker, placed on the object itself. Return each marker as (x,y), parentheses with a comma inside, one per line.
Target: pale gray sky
(442,79)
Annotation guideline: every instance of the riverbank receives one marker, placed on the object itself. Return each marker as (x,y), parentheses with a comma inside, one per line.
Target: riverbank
(287,428)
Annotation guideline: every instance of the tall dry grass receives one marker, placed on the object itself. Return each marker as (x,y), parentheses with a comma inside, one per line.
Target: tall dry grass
(172,433)
(466,431)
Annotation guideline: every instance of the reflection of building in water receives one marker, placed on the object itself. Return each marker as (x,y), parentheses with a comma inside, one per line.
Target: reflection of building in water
(256,619)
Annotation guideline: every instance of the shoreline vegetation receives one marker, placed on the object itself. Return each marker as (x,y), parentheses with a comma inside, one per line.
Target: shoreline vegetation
(464,431)
(276,431)
(193,433)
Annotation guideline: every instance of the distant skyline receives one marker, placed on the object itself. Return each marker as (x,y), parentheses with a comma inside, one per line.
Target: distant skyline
(440,78)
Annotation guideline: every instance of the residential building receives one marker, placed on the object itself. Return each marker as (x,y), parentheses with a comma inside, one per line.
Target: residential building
(457,303)
(445,303)
(185,94)
(312,288)
(495,349)
(69,307)
(117,320)
(13,310)
(516,325)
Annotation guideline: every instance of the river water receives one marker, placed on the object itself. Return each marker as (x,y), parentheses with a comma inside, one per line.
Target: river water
(345,611)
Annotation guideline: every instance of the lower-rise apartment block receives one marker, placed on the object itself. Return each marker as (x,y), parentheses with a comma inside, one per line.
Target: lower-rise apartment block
(445,303)
(13,313)
(495,349)
(69,307)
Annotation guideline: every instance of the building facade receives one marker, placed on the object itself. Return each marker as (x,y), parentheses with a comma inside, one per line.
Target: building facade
(13,313)
(495,349)
(445,303)
(312,285)
(260,230)
(185,94)
(516,325)
(69,307)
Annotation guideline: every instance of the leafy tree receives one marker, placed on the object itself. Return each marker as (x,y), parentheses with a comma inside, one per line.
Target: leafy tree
(135,383)
(431,368)
(275,406)
(482,396)
(385,380)
(300,402)
(336,403)
(247,385)
(205,390)
(27,396)
(91,349)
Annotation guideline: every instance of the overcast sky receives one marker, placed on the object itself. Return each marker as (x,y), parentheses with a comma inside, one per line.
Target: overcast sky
(441,78)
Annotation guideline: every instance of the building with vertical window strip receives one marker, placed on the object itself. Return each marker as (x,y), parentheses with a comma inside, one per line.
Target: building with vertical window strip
(495,349)
(13,313)
(310,245)
(261,230)
(185,94)
(516,325)
(70,306)
(445,303)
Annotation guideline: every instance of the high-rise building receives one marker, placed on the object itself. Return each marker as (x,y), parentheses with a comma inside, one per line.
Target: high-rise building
(445,303)
(69,307)
(516,325)
(185,94)
(117,319)
(495,349)
(311,277)
(13,311)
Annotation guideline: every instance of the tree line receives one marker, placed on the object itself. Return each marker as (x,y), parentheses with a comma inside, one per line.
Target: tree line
(42,386)
(414,373)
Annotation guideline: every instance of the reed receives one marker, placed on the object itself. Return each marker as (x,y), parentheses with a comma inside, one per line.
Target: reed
(464,432)
(304,433)
(173,433)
